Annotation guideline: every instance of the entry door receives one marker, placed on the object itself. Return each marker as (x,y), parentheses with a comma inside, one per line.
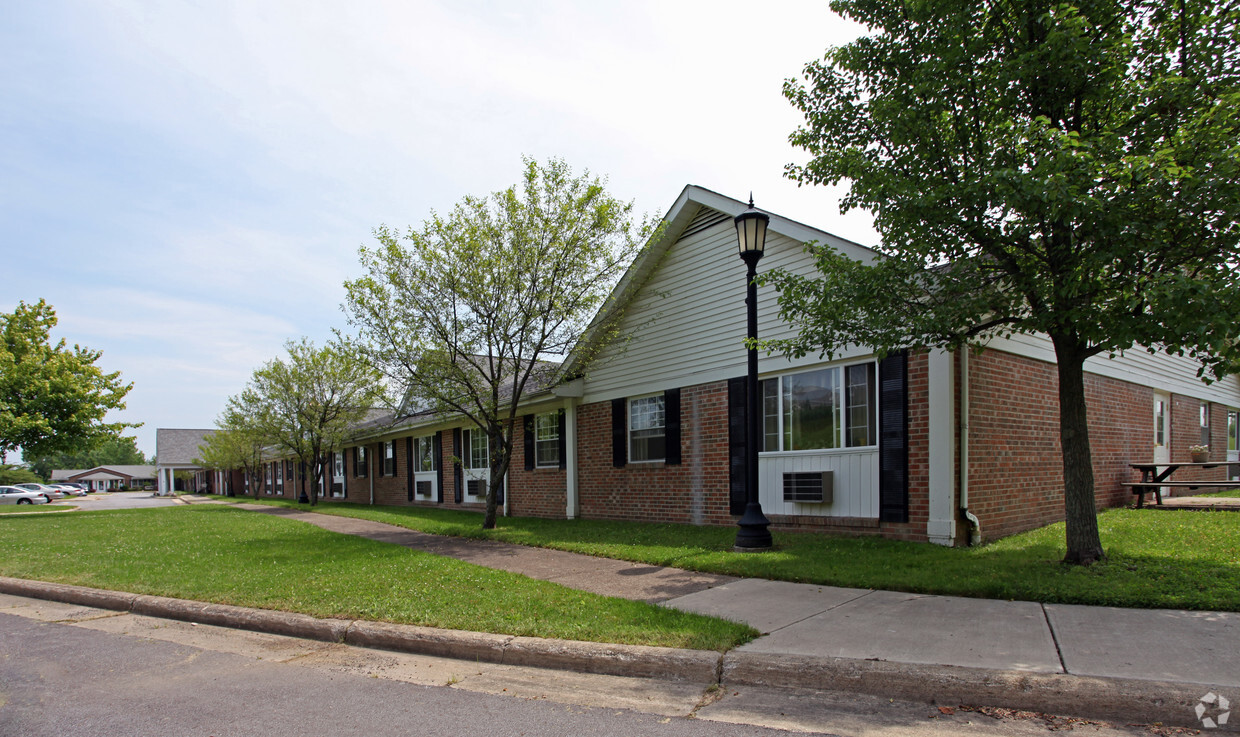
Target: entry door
(1162,427)
(1233,442)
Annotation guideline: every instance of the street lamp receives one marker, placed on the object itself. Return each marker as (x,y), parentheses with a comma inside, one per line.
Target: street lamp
(753,534)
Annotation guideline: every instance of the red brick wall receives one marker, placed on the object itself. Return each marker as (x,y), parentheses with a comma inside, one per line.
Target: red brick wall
(541,492)
(696,491)
(1015,463)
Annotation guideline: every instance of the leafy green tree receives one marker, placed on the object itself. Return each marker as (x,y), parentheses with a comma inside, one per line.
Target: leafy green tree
(308,403)
(1071,169)
(238,442)
(52,397)
(107,451)
(11,474)
(464,311)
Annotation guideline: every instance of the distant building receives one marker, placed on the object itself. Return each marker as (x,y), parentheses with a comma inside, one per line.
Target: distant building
(108,478)
(175,450)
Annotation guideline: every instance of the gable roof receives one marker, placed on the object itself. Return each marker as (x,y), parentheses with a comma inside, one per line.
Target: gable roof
(696,208)
(175,447)
(101,472)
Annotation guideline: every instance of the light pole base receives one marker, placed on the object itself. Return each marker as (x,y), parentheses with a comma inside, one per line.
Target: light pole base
(754,535)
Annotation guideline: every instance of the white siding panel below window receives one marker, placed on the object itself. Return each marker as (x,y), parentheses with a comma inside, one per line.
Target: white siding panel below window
(855,482)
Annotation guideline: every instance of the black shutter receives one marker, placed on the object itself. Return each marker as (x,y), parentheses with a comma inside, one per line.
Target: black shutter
(737,411)
(344,483)
(409,466)
(437,448)
(527,428)
(893,438)
(458,492)
(671,430)
(619,432)
(561,422)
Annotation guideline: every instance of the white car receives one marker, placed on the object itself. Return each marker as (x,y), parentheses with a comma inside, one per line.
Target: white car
(50,492)
(70,489)
(14,495)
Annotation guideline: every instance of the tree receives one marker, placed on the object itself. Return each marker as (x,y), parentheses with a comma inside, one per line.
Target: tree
(238,442)
(11,474)
(1034,167)
(106,451)
(52,397)
(465,310)
(309,403)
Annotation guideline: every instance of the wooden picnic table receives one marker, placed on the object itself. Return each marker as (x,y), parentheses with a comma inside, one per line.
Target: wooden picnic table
(1153,480)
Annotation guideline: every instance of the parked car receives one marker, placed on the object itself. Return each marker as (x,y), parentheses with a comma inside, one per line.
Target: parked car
(14,495)
(50,492)
(70,489)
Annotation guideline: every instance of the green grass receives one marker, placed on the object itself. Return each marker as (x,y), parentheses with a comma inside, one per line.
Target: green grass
(225,555)
(1156,559)
(23,508)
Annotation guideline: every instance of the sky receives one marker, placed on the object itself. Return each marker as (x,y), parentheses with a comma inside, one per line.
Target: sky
(188,183)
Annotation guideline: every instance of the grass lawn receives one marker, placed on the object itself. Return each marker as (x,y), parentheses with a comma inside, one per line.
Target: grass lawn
(1162,559)
(219,554)
(23,508)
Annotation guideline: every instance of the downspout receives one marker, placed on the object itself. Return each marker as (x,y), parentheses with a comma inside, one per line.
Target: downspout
(975,525)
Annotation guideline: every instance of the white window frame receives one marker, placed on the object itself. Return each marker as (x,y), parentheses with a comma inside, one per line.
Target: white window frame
(841,441)
(1204,421)
(642,401)
(361,458)
(424,450)
(547,434)
(388,455)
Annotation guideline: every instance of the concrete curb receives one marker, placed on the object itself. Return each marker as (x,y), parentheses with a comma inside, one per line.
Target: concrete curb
(1122,700)
(637,661)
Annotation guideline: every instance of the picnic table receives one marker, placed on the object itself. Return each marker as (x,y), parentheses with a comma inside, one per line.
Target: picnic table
(1157,476)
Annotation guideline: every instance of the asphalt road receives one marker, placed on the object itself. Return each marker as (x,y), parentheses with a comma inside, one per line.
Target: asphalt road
(69,671)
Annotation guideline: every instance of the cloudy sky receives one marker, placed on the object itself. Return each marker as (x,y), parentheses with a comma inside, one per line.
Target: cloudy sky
(188,183)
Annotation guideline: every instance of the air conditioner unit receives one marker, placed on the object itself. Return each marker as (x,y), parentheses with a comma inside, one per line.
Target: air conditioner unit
(814,487)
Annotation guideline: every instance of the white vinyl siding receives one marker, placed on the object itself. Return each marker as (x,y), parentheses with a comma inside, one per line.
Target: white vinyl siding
(687,326)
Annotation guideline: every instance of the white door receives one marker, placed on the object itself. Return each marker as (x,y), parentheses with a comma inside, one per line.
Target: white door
(1233,442)
(1162,427)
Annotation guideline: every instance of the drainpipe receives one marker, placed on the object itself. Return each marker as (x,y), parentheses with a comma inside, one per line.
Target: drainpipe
(975,525)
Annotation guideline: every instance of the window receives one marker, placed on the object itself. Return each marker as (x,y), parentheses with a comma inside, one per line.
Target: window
(338,465)
(1233,431)
(424,454)
(547,440)
(360,470)
(389,459)
(288,470)
(828,408)
(279,469)
(647,429)
(268,485)
(475,446)
(1205,423)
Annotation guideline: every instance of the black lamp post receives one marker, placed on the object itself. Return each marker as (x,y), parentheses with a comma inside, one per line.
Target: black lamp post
(753,534)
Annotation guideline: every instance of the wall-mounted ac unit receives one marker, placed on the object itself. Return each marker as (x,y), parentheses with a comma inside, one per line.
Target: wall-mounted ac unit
(814,487)
(477,487)
(423,488)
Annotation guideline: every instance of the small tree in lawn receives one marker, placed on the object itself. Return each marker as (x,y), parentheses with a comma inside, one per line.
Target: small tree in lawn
(464,310)
(308,403)
(1071,169)
(238,442)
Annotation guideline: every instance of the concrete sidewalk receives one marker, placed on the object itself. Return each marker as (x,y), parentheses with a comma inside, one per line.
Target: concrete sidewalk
(1139,665)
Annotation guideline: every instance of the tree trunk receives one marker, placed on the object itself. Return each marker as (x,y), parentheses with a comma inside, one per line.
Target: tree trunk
(501,455)
(1080,508)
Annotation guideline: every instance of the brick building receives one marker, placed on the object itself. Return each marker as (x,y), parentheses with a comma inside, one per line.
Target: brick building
(651,427)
